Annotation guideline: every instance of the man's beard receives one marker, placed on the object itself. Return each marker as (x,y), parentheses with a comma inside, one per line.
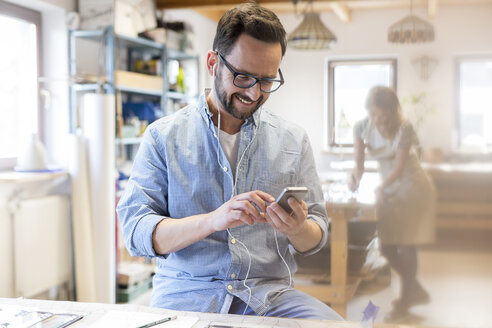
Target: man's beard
(228,104)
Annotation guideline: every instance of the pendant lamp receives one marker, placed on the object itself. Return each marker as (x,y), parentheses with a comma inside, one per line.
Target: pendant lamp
(312,34)
(411,29)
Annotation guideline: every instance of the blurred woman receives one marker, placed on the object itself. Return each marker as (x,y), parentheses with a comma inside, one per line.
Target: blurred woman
(406,197)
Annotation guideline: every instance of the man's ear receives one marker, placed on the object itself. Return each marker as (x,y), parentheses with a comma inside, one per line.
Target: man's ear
(212,61)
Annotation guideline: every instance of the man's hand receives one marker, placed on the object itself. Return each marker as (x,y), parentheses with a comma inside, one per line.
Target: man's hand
(239,210)
(280,220)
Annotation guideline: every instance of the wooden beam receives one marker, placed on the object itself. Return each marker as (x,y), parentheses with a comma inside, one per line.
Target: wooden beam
(173,4)
(342,11)
(212,14)
(432,8)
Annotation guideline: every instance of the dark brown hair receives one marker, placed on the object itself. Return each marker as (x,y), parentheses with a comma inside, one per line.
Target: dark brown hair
(252,19)
(384,98)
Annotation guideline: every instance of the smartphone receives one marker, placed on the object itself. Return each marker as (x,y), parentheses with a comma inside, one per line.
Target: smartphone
(297,192)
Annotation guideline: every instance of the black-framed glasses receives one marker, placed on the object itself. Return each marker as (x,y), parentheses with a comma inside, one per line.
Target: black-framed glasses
(245,80)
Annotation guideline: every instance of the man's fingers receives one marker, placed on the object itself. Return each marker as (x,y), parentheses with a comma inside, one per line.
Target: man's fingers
(239,215)
(272,218)
(246,206)
(257,197)
(297,207)
(262,218)
(244,217)
(258,201)
(265,196)
(279,215)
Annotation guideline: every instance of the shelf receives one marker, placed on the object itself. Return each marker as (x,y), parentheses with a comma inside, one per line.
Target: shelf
(122,40)
(123,88)
(128,141)
(180,96)
(85,86)
(179,55)
(136,43)
(88,34)
(127,82)
(141,91)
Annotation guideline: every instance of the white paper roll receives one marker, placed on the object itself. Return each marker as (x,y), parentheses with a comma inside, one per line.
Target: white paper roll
(85,281)
(98,126)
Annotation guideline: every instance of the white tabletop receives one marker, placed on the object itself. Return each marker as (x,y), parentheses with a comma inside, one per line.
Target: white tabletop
(95,311)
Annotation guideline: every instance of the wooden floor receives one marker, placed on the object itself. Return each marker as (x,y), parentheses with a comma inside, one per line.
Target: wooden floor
(458,275)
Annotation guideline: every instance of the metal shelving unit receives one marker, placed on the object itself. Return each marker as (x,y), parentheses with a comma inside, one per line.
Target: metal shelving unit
(112,43)
(123,82)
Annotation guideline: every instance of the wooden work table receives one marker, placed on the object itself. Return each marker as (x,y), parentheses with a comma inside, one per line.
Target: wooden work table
(341,206)
(94,311)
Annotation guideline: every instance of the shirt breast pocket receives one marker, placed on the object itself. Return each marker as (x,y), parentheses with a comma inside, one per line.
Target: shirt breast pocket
(280,172)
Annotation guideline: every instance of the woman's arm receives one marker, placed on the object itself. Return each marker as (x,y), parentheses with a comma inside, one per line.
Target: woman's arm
(359,148)
(400,159)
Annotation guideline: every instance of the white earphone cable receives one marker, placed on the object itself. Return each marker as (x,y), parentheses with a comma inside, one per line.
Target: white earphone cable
(234,185)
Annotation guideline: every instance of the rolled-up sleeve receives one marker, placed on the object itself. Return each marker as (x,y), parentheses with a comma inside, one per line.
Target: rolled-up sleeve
(308,176)
(144,202)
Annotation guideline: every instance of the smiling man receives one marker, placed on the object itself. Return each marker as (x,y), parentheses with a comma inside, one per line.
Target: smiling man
(201,196)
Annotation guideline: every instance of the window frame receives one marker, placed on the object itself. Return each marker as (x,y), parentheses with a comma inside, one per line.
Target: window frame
(458,61)
(331,63)
(33,17)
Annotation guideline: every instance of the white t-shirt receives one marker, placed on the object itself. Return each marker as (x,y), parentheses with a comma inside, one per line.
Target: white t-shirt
(230,144)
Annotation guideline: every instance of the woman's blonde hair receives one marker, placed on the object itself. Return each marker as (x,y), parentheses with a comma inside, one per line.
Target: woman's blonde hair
(384,98)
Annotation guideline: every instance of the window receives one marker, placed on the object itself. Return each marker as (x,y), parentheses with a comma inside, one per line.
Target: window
(475,103)
(348,84)
(19,71)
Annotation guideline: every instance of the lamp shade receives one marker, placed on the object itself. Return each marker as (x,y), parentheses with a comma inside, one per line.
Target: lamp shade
(312,34)
(411,29)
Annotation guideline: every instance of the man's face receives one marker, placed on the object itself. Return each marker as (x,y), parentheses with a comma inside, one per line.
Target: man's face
(251,56)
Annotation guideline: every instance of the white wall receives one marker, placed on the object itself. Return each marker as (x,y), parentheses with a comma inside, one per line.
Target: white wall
(459,30)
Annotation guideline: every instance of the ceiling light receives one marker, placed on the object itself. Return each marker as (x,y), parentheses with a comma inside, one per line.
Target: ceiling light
(411,29)
(312,34)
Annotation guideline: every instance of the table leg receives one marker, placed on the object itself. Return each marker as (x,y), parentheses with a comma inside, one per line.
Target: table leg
(339,246)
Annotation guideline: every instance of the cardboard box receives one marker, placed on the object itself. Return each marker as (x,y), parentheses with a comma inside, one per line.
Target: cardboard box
(133,80)
(174,40)
(132,273)
(129,17)
(138,80)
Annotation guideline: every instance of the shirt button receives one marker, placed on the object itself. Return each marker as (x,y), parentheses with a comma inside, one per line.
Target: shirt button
(229,287)
(233,241)
(225,169)
(233,275)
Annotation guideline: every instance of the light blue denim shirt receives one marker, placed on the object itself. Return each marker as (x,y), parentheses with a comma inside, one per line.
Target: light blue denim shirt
(176,174)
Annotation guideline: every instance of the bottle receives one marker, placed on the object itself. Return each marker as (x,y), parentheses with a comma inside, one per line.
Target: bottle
(180,80)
